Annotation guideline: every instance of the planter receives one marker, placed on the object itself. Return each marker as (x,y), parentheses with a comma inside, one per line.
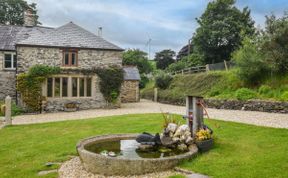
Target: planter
(205,145)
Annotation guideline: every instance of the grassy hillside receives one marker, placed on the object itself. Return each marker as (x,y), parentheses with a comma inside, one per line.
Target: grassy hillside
(222,84)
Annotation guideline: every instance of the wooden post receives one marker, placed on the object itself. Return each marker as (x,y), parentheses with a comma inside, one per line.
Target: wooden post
(8,120)
(197,115)
(155,94)
(182,72)
(189,109)
(225,63)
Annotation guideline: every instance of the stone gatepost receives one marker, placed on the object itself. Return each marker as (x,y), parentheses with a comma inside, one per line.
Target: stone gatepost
(8,120)
(155,94)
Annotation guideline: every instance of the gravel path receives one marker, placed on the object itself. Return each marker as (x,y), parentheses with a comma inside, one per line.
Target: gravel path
(74,169)
(145,106)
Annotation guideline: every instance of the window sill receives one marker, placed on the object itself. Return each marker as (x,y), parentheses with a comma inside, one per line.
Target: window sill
(69,67)
(9,69)
(68,98)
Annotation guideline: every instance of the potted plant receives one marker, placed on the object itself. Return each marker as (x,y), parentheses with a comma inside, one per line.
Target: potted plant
(204,140)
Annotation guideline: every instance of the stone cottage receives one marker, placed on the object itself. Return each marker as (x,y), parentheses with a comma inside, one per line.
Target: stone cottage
(70,47)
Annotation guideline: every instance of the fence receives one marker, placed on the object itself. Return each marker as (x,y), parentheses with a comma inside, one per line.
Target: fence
(226,65)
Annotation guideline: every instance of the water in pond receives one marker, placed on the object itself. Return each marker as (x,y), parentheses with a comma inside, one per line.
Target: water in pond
(128,149)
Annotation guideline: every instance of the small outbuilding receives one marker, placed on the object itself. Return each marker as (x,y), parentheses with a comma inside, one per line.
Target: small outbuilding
(130,88)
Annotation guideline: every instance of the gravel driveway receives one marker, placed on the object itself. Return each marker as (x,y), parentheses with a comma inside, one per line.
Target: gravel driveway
(145,106)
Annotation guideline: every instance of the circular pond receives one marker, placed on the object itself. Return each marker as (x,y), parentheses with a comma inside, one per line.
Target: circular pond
(128,160)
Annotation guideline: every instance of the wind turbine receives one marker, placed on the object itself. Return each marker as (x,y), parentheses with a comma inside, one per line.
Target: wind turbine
(149,47)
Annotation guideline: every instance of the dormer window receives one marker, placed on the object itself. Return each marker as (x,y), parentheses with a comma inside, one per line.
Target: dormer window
(70,58)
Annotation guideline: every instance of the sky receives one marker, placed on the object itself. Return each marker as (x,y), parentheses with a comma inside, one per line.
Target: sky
(131,23)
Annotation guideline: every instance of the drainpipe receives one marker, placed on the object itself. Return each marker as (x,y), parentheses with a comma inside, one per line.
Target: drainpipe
(16,72)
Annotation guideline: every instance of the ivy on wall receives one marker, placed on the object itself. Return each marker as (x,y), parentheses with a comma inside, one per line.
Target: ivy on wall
(30,85)
(111,80)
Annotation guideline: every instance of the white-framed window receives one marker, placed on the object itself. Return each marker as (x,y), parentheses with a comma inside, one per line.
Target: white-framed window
(10,60)
(61,87)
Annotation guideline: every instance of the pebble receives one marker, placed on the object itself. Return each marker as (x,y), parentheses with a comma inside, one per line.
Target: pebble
(74,169)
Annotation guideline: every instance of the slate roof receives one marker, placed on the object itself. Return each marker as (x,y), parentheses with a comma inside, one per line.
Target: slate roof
(131,73)
(69,35)
(11,34)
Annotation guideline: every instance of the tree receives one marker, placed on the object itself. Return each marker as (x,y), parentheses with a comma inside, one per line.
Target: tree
(222,29)
(275,43)
(164,58)
(12,11)
(249,62)
(137,58)
(191,60)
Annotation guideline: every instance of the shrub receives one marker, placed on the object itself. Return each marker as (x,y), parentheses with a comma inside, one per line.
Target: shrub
(249,62)
(284,96)
(264,89)
(144,80)
(176,66)
(163,80)
(245,94)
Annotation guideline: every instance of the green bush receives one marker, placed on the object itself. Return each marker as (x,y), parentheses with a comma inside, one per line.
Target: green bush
(163,80)
(284,96)
(144,80)
(264,89)
(249,62)
(176,66)
(245,94)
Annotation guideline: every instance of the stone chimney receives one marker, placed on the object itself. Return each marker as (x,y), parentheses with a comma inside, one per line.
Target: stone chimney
(29,19)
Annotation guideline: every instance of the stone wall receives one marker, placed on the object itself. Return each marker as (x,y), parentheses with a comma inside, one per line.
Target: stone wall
(29,56)
(251,105)
(7,80)
(87,59)
(7,84)
(130,91)
(94,58)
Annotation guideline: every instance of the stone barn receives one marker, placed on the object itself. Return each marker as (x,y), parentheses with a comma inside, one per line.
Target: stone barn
(130,87)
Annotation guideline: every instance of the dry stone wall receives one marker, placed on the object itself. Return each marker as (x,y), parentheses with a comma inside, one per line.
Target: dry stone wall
(251,105)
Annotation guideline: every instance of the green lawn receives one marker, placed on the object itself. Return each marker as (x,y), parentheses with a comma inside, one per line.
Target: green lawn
(240,150)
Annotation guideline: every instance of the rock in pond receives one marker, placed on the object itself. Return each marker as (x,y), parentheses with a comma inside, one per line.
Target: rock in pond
(145,148)
(182,147)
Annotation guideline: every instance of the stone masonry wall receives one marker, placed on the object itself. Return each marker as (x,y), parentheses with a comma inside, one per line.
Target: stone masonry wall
(87,59)
(7,80)
(130,91)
